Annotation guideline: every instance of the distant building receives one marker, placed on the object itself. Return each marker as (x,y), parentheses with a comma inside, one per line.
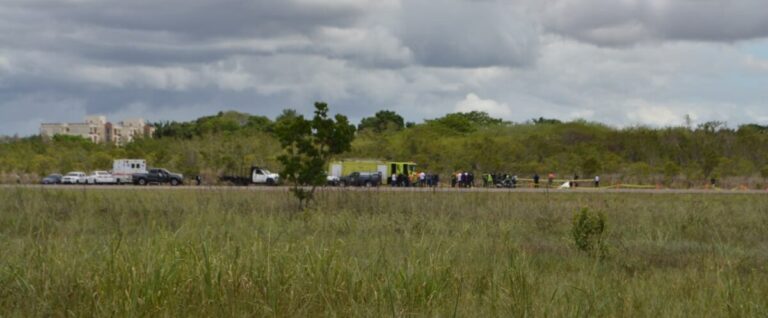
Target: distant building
(98,130)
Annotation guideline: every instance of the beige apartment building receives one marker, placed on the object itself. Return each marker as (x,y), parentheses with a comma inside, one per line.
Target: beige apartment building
(98,130)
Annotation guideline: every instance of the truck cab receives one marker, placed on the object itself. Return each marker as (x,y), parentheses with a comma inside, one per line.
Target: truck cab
(264,176)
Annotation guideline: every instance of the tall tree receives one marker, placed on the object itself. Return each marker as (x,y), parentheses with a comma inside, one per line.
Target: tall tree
(382,121)
(308,147)
(466,122)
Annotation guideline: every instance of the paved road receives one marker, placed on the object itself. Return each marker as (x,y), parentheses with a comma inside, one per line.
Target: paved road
(384,189)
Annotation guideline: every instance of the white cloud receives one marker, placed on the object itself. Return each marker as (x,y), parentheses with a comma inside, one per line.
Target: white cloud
(473,102)
(645,113)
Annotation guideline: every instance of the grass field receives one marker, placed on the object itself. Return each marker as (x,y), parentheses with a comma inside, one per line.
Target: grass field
(232,253)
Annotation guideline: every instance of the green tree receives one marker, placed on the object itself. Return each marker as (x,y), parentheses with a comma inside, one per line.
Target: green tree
(42,165)
(287,115)
(590,166)
(100,160)
(308,147)
(384,120)
(546,121)
(671,171)
(467,122)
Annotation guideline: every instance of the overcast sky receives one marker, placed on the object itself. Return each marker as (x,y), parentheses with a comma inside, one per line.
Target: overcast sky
(622,62)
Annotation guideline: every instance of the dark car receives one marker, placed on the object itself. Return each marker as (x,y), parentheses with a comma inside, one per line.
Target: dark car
(52,179)
(158,176)
(362,179)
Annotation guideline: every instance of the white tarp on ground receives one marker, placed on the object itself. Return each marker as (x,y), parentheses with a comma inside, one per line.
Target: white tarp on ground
(566,185)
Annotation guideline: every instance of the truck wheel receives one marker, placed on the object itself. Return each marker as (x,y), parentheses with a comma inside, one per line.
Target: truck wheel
(142,182)
(174,182)
(270,182)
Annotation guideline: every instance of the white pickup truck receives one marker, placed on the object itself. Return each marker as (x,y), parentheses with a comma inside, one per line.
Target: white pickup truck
(258,176)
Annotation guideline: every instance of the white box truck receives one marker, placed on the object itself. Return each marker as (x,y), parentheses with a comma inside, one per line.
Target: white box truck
(123,169)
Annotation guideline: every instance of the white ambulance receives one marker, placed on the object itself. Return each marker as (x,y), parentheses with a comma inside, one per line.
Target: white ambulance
(123,169)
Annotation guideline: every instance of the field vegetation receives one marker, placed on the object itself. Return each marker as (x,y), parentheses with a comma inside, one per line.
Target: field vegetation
(193,252)
(683,156)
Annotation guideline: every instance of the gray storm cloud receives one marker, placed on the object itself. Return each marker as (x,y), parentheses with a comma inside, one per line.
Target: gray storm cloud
(625,22)
(616,61)
(469,33)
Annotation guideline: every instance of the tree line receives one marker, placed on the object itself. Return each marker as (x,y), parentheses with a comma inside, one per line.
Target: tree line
(229,142)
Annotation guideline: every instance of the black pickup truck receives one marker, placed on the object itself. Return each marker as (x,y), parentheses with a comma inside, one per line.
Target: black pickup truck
(158,176)
(362,179)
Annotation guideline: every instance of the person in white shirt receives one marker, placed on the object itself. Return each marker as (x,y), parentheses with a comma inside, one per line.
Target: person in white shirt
(597,181)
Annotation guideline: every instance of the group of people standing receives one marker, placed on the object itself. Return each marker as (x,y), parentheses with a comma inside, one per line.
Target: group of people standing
(466,179)
(463,179)
(415,179)
(506,180)
(499,180)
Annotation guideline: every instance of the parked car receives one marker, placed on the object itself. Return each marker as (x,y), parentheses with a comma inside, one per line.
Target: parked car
(74,177)
(360,179)
(333,181)
(100,177)
(157,176)
(52,179)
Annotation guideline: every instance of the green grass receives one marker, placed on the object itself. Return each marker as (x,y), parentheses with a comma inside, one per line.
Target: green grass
(366,254)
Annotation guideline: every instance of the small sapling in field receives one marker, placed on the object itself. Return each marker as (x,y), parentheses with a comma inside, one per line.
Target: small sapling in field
(588,232)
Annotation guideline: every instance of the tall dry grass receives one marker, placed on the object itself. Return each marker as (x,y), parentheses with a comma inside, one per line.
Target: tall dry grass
(246,253)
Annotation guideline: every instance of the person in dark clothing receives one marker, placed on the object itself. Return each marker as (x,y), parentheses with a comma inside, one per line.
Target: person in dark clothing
(536,180)
(454,180)
(713,182)
(575,180)
(198,180)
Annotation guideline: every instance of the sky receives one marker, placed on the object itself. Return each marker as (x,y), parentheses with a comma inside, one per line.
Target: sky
(620,62)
